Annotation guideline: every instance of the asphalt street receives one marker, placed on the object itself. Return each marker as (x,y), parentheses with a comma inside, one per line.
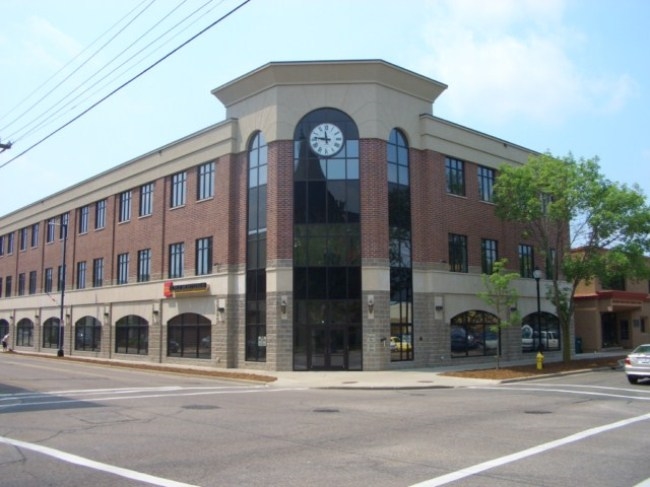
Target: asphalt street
(70,423)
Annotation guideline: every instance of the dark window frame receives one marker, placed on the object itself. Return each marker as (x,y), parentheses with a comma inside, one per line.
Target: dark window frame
(178,193)
(455,176)
(205,181)
(458,253)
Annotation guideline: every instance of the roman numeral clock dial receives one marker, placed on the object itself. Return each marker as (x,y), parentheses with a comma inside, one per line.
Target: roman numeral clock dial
(326,139)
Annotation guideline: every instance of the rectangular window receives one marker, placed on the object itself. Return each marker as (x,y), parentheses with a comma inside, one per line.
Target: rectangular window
(455,176)
(176,259)
(550,264)
(98,272)
(485,183)
(47,280)
(81,275)
(61,277)
(63,225)
(23,239)
(51,228)
(204,256)
(35,231)
(84,211)
(123,268)
(457,253)
(178,193)
(526,260)
(10,243)
(144,265)
(32,282)
(100,214)
(2,244)
(489,255)
(21,284)
(146,199)
(125,206)
(0,287)
(205,181)
(8,285)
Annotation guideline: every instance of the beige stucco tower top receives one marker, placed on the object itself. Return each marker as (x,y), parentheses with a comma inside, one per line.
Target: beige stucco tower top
(378,95)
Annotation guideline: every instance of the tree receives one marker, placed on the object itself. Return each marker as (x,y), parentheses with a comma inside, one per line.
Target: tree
(502,296)
(584,226)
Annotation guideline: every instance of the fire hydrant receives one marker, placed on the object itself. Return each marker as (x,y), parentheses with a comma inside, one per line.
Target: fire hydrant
(540,360)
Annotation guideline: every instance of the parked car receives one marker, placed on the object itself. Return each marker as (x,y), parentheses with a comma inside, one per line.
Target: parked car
(637,364)
(491,340)
(526,338)
(550,340)
(462,341)
(173,346)
(399,345)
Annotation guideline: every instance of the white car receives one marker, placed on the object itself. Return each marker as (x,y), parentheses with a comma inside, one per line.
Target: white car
(637,364)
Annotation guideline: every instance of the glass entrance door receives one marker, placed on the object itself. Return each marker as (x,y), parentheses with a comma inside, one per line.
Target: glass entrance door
(328,349)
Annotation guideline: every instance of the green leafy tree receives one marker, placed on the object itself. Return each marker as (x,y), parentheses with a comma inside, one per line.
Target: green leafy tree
(502,296)
(563,204)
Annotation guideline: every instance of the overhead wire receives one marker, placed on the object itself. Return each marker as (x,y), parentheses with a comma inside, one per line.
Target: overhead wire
(80,101)
(128,82)
(24,100)
(18,134)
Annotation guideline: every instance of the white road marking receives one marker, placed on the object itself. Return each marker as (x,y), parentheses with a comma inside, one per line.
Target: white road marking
(85,462)
(559,389)
(119,395)
(497,462)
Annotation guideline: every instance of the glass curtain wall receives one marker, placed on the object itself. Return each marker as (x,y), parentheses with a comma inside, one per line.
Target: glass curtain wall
(399,228)
(327,243)
(256,250)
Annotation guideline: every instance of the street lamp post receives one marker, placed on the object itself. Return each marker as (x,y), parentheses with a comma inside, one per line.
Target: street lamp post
(64,231)
(537,274)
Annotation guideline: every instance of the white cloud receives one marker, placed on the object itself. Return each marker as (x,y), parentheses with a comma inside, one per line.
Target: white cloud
(48,46)
(506,60)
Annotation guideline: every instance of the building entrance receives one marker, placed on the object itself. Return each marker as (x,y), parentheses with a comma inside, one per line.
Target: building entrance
(328,349)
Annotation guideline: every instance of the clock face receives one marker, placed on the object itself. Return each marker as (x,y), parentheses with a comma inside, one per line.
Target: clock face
(326,139)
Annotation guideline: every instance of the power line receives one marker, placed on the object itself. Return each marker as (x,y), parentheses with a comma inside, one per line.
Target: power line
(123,85)
(24,100)
(54,116)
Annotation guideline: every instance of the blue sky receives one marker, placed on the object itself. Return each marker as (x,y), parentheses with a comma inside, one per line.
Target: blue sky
(557,75)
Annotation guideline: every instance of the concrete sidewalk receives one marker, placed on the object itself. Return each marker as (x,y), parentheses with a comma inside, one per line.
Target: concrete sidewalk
(422,378)
(387,379)
(408,378)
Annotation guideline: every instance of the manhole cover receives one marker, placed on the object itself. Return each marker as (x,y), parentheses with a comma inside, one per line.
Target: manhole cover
(200,406)
(326,410)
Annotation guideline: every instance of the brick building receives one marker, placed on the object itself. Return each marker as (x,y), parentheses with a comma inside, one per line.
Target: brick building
(331,221)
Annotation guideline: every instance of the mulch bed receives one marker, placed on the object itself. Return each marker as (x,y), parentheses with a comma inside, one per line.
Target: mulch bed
(520,371)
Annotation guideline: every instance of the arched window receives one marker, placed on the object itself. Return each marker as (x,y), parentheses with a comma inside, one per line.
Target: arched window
(399,251)
(25,333)
(548,327)
(256,250)
(87,334)
(474,333)
(51,333)
(188,335)
(132,335)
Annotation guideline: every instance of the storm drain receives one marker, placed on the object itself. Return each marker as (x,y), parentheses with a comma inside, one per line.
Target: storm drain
(537,412)
(326,410)
(200,407)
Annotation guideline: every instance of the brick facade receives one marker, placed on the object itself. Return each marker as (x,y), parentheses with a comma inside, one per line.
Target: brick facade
(435,214)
